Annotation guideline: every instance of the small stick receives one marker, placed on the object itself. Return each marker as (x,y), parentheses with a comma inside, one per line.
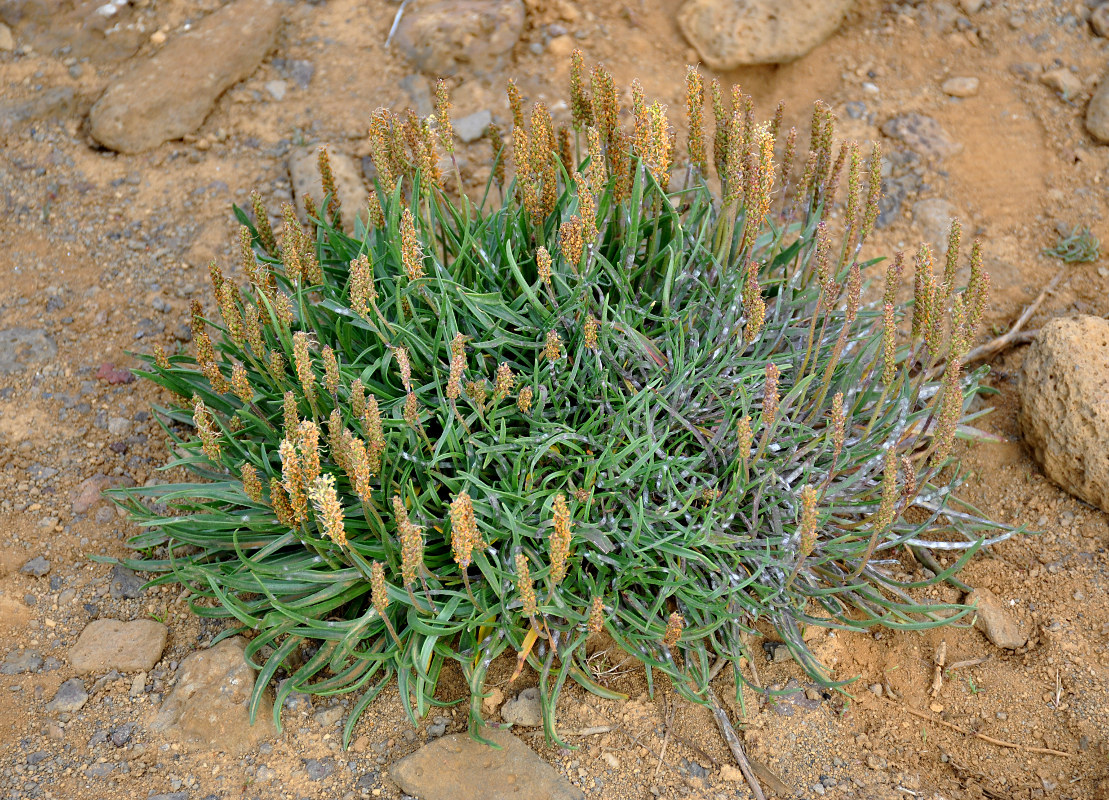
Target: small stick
(734,744)
(999,742)
(940,659)
(972,662)
(666,738)
(1007,339)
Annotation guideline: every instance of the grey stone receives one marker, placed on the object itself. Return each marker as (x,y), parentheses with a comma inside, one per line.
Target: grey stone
(996,621)
(319,768)
(440,38)
(22,347)
(169,796)
(112,644)
(960,87)
(124,584)
(277,89)
(20,662)
(304,171)
(472,127)
(119,426)
(121,734)
(457,767)
(37,566)
(418,90)
(1063,81)
(71,696)
(58,102)
(934,217)
(921,134)
(524,709)
(732,33)
(209,706)
(329,716)
(40,473)
(170,94)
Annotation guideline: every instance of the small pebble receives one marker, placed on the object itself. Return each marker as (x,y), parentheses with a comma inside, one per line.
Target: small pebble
(960,87)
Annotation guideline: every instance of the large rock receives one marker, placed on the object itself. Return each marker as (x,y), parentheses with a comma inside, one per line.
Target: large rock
(440,37)
(456,767)
(1064,393)
(125,646)
(354,199)
(209,706)
(921,134)
(1097,112)
(732,33)
(170,95)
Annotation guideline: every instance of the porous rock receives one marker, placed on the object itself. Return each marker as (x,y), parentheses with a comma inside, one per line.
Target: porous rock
(170,94)
(921,134)
(305,174)
(1064,394)
(732,33)
(996,621)
(106,644)
(457,767)
(524,709)
(441,37)
(209,706)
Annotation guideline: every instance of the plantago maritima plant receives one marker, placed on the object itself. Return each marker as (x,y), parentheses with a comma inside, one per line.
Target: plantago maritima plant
(617,400)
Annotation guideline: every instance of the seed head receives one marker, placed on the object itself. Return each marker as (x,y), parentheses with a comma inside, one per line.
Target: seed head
(523,400)
(328,508)
(206,360)
(375,434)
(695,115)
(908,474)
(744,438)
(753,304)
(280,503)
(580,109)
(412,255)
(308,443)
(587,209)
(524,587)
(275,366)
(336,440)
(252,485)
(951,408)
(923,291)
(606,111)
(205,428)
(253,324)
(292,479)
(291,418)
(330,370)
(889,355)
(565,149)
(589,331)
(874,190)
(475,390)
(378,588)
(357,398)
(356,462)
(571,240)
(806,527)
(330,190)
(597,615)
(674,627)
(597,170)
(443,116)
(454,380)
(560,539)
(160,357)
(839,425)
(412,410)
(411,543)
(543,265)
(552,351)
(515,104)
(505,381)
(496,142)
(363,293)
(283,309)
(229,310)
(241,384)
(262,224)
(302,362)
(770,396)
(464,533)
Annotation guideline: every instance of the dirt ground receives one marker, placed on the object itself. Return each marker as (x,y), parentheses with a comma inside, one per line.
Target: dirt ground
(102,253)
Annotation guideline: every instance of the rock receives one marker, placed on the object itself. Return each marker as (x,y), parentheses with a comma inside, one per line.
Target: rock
(113,644)
(121,734)
(88,492)
(70,697)
(354,198)
(971,6)
(37,566)
(329,716)
(934,216)
(58,102)
(319,768)
(171,93)
(732,33)
(456,767)
(138,685)
(472,127)
(209,706)
(119,426)
(419,92)
(124,583)
(21,347)
(1097,113)
(921,134)
(493,701)
(277,89)
(1099,20)
(7,41)
(994,620)
(1063,81)
(524,709)
(111,374)
(22,661)
(960,87)
(440,37)
(1064,416)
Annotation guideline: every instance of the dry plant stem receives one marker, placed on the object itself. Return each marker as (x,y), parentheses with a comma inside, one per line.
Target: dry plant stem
(1010,338)
(666,737)
(734,744)
(999,742)
(970,662)
(937,676)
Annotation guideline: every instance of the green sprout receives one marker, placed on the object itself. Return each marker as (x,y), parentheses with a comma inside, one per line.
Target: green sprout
(1079,246)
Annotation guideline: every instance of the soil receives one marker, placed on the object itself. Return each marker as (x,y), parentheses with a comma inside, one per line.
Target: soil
(102,253)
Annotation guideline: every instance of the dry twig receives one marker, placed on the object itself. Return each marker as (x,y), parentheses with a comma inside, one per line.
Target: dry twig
(999,742)
(734,744)
(1013,336)
(940,659)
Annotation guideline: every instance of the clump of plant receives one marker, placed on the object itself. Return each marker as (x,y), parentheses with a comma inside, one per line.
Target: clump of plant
(1079,245)
(617,401)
